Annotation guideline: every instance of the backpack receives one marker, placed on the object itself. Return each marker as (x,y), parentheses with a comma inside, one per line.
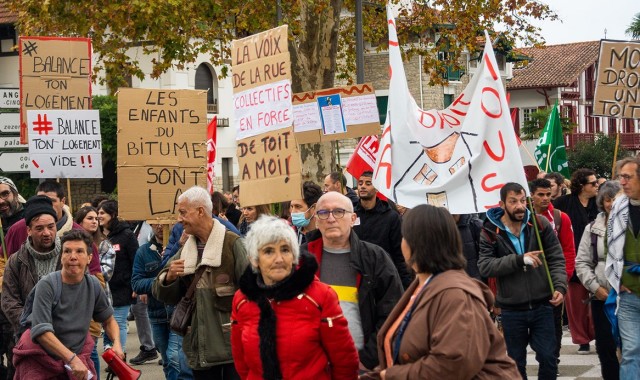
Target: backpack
(25,323)
(557,220)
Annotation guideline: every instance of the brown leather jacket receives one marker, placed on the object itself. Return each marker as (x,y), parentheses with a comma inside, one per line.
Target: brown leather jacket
(450,335)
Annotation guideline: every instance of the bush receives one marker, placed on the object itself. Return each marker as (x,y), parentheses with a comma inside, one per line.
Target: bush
(597,155)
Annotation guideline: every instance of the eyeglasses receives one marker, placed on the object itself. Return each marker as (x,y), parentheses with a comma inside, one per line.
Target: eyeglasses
(338,213)
(5,194)
(626,177)
(592,183)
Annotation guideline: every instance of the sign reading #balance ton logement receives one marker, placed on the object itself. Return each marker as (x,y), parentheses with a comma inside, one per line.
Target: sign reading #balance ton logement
(65,144)
(55,74)
(161,149)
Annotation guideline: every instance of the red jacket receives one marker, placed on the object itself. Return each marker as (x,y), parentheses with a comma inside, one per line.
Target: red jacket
(565,235)
(312,339)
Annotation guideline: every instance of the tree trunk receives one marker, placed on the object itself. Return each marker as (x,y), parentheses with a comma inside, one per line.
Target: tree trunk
(313,66)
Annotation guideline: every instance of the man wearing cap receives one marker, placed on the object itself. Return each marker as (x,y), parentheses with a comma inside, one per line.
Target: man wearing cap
(38,256)
(11,209)
(17,234)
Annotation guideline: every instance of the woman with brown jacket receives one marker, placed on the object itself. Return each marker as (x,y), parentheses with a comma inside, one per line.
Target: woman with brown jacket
(440,328)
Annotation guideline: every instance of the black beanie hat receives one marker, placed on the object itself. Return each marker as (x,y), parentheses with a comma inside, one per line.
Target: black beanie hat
(38,205)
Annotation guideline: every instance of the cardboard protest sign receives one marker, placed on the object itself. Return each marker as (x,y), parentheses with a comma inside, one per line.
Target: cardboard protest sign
(618,80)
(458,157)
(161,150)
(55,74)
(358,107)
(270,167)
(261,83)
(65,144)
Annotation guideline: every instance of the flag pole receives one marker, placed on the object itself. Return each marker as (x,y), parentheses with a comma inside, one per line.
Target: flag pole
(546,166)
(544,259)
(615,151)
(530,156)
(4,246)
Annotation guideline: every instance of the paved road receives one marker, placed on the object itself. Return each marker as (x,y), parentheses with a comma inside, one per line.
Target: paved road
(572,365)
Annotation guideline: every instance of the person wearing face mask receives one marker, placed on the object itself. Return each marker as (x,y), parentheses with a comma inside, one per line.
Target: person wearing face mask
(302,210)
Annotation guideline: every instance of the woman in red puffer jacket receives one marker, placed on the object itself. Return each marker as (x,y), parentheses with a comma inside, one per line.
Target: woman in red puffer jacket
(286,324)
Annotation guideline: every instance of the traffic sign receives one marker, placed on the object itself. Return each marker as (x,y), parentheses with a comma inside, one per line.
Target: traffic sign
(12,162)
(9,98)
(11,142)
(10,122)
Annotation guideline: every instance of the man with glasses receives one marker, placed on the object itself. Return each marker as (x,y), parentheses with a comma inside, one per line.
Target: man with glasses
(363,275)
(623,263)
(11,204)
(581,207)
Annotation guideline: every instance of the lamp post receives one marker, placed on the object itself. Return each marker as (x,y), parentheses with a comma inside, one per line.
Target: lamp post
(359,44)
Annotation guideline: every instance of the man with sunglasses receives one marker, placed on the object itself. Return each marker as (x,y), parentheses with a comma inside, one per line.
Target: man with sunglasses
(581,207)
(363,275)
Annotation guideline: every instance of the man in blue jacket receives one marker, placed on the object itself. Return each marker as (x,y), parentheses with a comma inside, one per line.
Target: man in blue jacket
(510,252)
(147,265)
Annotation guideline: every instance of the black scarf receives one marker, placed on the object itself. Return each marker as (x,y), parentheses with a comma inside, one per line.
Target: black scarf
(253,287)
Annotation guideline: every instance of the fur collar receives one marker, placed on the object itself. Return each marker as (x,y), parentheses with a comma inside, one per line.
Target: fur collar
(212,255)
(288,289)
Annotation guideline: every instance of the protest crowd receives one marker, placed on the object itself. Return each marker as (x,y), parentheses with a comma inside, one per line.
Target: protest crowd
(341,285)
(443,261)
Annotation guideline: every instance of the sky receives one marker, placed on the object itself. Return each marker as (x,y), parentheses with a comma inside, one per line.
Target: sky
(586,20)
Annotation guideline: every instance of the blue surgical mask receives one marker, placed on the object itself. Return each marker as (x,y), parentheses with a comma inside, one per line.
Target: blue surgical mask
(298,219)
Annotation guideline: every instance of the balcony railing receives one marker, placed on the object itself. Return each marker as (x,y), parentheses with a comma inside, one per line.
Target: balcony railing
(629,141)
(212,108)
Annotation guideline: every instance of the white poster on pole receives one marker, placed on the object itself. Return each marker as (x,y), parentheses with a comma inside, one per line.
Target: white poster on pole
(65,143)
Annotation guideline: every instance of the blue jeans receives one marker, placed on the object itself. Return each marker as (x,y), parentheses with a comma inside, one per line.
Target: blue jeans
(161,336)
(95,358)
(534,327)
(120,314)
(629,324)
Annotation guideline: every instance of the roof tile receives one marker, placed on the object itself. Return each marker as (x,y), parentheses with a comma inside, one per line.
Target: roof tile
(554,65)
(6,16)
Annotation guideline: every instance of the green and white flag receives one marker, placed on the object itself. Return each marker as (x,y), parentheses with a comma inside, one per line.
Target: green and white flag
(550,152)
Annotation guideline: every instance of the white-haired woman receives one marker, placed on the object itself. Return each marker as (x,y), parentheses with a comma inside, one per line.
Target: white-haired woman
(286,324)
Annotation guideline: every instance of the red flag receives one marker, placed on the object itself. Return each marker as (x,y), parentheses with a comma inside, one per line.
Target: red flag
(211,152)
(364,156)
(363,159)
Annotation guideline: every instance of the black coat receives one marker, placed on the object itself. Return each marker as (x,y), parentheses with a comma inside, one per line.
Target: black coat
(125,244)
(382,226)
(469,227)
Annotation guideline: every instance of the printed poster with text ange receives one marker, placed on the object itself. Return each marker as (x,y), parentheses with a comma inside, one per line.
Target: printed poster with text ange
(162,149)
(618,81)
(65,144)
(261,68)
(55,74)
(359,111)
(270,168)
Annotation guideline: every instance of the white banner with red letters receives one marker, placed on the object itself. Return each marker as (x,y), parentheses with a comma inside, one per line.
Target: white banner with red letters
(458,157)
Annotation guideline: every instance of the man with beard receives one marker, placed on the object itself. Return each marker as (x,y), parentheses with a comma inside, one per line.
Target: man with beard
(379,224)
(11,210)
(11,201)
(510,252)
